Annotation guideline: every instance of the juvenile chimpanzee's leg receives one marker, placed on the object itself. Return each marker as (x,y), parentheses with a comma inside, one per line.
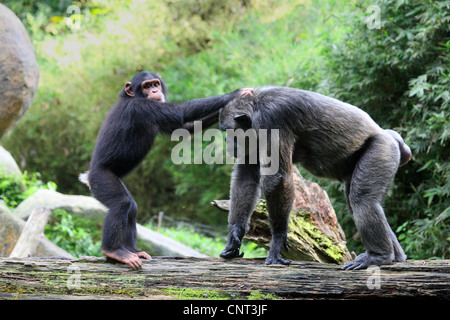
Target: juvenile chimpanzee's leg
(244,196)
(369,184)
(279,193)
(131,232)
(117,240)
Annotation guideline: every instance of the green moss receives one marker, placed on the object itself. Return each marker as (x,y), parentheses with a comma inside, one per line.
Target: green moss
(258,295)
(303,231)
(188,293)
(302,227)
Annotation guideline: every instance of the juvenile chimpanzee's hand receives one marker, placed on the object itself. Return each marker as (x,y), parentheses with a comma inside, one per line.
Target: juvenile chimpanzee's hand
(247,91)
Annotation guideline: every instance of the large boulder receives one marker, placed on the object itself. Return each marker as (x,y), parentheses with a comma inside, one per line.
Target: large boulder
(19,72)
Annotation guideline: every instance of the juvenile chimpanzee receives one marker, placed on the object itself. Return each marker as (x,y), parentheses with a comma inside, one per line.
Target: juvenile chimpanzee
(330,139)
(125,138)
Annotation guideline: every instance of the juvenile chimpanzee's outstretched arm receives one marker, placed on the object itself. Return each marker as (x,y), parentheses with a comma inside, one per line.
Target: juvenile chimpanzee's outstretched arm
(207,121)
(200,108)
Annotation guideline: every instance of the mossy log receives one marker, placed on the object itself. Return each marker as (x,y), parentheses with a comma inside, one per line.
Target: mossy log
(216,278)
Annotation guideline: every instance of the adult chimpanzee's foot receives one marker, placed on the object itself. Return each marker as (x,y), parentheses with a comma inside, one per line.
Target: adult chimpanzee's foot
(125,256)
(233,246)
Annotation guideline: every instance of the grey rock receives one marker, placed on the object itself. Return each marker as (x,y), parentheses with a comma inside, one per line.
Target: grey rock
(19,71)
(52,200)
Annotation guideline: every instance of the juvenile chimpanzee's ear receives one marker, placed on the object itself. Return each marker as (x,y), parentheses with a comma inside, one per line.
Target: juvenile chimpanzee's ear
(128,89)
(244,120)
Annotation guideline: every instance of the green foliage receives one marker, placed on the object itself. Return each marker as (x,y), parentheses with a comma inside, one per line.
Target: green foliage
(56,17)
(13,190)
(400,75)
(69,233)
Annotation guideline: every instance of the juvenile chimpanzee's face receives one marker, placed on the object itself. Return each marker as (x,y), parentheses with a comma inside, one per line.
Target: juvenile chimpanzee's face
(152,90)
(146,85)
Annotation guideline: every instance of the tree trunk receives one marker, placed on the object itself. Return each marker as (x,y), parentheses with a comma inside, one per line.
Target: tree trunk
(216,278)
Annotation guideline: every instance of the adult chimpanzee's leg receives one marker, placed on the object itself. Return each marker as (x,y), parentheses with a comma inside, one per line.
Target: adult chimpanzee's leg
(279,192)
(369,184)
(244,196)
(117,241)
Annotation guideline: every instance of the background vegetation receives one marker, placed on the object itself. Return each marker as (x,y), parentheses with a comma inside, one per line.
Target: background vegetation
(398,73)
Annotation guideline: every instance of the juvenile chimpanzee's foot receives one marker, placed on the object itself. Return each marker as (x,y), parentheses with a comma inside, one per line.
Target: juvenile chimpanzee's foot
(365,260)
(233,244)
(277,259)
(143,255)
(125,256)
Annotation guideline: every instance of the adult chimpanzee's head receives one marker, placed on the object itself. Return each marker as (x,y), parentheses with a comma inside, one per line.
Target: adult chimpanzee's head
(146,85)
(237,114)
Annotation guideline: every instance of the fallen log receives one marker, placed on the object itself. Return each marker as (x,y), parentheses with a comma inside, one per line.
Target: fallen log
(216,278)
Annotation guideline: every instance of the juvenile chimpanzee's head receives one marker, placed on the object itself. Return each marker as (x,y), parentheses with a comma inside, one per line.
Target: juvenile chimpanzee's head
(146,85)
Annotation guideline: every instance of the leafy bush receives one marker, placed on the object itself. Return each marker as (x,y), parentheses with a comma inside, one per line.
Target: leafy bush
(13,190)
(71,234)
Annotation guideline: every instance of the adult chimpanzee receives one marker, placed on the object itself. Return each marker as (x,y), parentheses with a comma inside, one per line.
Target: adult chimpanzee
(126,136)
(330,139)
